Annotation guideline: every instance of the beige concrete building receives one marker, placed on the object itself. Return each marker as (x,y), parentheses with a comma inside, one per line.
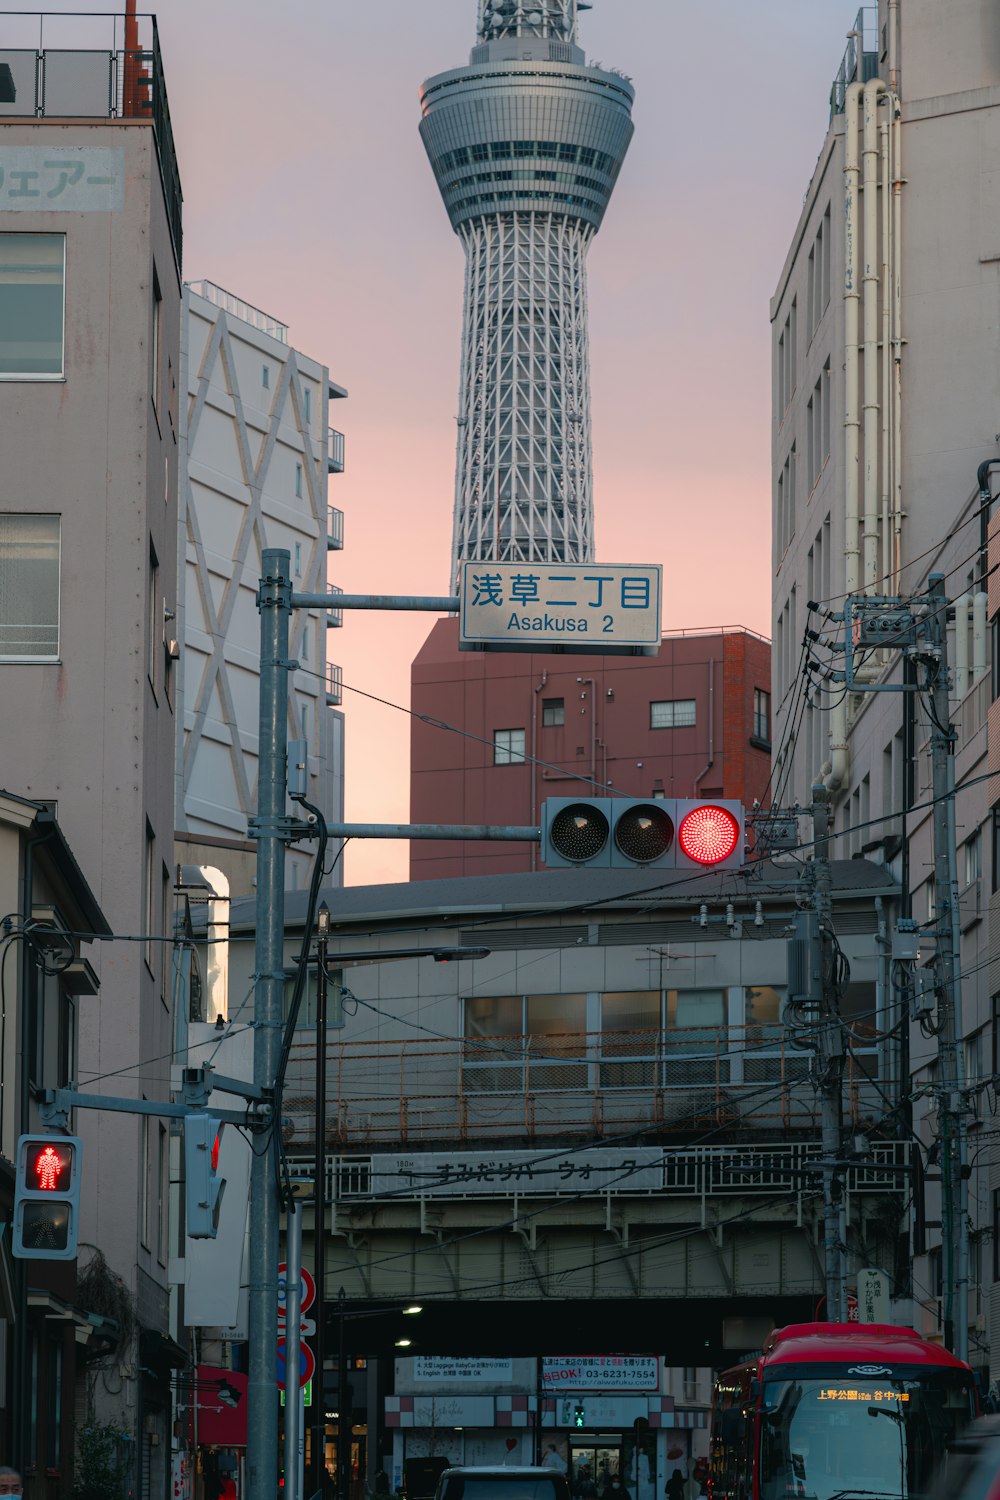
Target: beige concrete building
(90,248)
(886,363)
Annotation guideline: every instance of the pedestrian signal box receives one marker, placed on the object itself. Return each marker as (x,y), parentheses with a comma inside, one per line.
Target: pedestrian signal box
(579,1416)
(675,833)
(47,1197)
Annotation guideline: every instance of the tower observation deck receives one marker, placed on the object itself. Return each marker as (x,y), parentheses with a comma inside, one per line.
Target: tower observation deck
(526,144)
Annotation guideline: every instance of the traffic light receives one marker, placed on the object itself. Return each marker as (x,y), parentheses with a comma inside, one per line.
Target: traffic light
(675,833)
(202,1184)
(47,1197)
(579,1416)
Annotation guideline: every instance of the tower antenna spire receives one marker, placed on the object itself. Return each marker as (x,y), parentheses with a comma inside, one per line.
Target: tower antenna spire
(545,19)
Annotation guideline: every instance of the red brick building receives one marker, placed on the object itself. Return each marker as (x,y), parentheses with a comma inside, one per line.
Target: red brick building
(693,721)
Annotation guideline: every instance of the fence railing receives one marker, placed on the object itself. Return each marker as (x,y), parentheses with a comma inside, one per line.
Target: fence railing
(245,311)
(334,451)
(599,1083)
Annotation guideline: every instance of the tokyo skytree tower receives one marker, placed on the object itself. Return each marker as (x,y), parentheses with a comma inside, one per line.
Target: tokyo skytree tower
(526,144)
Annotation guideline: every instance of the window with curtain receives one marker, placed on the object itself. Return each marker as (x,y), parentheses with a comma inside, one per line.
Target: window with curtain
(32,277)
(29,587)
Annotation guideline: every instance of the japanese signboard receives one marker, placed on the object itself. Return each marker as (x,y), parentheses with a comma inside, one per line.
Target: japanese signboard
(577,607)
(53,178)
(606,1372)
(438,1368)
(509,1174)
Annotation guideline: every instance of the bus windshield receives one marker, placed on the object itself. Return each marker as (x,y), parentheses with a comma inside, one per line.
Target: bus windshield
(823,1437)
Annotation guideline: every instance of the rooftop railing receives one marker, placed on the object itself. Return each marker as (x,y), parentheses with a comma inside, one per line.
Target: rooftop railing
(860,60)
(55,66)
(237,308)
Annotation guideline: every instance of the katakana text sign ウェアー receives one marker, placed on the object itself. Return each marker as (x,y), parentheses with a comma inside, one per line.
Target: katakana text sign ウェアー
(52,178)
(587,606)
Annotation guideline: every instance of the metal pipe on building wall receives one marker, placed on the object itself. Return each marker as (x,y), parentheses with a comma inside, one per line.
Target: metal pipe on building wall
(711,728)
(897,333)
(870,351)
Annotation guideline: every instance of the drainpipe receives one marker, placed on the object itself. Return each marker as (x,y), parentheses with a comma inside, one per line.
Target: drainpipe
(980,604)
(961,648)
(869,203)
(589,682)
(885,467)
(834,770)
(711,728)
(892,26)
(897,337)
(533,817)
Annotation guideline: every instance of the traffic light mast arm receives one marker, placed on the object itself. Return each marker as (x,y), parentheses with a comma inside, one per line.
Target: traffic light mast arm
(57,1103)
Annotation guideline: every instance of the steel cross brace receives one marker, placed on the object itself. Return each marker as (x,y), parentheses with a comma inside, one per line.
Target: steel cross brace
(57,1103)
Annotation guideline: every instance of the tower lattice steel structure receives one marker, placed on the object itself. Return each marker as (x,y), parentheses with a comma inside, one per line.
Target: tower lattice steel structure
(526,145)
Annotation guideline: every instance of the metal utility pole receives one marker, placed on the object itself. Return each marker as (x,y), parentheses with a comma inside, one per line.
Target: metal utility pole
(319,1206)
(954,1168)
(344,1414)
(275,604)
(831,1062)
(293,1319)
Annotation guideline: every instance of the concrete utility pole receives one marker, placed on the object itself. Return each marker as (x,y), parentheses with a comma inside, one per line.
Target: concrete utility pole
(954,1167)
(275,605)
(831,1063)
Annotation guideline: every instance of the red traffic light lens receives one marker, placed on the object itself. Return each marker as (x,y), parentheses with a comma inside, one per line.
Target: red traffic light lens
(709,834)
(48,1167)
(215,1153)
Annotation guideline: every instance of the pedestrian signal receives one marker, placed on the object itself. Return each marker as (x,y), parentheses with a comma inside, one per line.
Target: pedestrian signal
(47,1197)
(579,1416)
(203,1186)
(676,833)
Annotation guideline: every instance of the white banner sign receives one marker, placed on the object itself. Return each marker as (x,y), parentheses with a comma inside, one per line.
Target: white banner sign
(53,178)
(509,1174)
(465,1371)
(606,1372)
(589,605)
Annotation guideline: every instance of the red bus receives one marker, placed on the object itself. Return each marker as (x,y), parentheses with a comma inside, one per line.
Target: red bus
(837,1411)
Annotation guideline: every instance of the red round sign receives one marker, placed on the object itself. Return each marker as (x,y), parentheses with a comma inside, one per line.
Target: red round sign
(307,1364)
(307,1285)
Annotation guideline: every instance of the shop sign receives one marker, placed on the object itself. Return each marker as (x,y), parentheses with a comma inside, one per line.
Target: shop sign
(611,1372)
(436,1367)
(513,1174)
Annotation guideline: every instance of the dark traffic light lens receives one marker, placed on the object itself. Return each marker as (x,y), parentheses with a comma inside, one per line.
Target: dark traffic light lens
(45,1225)
(644,833)
(579,832)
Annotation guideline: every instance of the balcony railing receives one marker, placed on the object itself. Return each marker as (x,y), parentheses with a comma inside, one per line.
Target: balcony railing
(334,685)
(334,529)
(65,66)
(860,60)
(592,1083)
(245,311)
(334,451)
(334,617)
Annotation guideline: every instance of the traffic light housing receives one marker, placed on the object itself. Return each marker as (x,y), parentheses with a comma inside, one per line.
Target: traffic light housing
(674,833)
(47,1197)
(203,1187)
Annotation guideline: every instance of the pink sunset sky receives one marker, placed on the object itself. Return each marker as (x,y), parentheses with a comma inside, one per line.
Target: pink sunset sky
(307,193)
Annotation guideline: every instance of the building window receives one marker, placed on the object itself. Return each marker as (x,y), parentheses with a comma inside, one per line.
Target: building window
(553,712)
(298,559)
(307,395)
(29,587)
(762,715)
(673,713)
(153,587)
(690,1384)
(165,925)
(517,1041)
(265,377)
(973,858)
(144,1184)
(298,481)
(162,1193)
(508,747)
(154,344)
(149,894)
(996,1234)
(32,306)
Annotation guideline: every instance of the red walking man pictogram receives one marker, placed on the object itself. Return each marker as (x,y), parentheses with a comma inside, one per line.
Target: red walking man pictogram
(47,1168)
